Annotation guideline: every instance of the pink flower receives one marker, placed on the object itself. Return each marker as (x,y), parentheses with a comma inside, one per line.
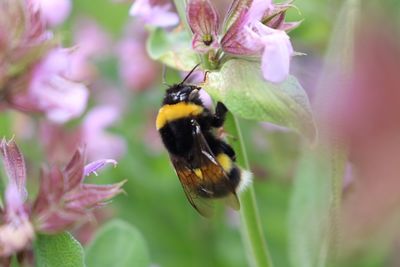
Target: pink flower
(16,231)
(203,20)
(249,36)
(251,28)
(24,39)
(154,12)
(275,17)
(136,69)
(92,43)
(54,11)
(62,201)
(276,51)
(99,142)
(52,92)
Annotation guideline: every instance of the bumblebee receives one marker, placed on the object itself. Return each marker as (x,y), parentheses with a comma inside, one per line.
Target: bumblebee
(204,163)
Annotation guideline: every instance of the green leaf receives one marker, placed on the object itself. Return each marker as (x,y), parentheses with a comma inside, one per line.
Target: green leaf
(312,213)
(118,244)
(172,49)
(60,250)
(14,262)
(240,86)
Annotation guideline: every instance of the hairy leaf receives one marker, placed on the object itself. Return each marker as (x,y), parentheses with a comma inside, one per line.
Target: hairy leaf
(117,244)
(172,49)
(60,250)
(240,85)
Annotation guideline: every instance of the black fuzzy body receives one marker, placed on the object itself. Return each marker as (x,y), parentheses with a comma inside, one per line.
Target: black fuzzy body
(180,140)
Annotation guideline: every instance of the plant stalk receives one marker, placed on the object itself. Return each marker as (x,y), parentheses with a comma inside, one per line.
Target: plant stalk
(252,233)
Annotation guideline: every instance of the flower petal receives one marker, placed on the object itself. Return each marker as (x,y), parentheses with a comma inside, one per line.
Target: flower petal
(59,220)
(235,40)
(204,22)
(234,11)
(17,231)
(14,238)
(51,90)
(101,143)
(276,56)
(63,199)
(156,14)
(92,195)
(275,17)
(51,191)
(74,171)
(55,11)
(98,164)
(14,165)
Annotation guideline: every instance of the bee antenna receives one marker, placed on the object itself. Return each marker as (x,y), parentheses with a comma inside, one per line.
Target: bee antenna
(190,73)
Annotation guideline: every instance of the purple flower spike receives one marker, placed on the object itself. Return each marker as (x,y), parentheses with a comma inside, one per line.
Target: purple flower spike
(17,231)
(203,20)
(98,164)
(64,199)
(14,165)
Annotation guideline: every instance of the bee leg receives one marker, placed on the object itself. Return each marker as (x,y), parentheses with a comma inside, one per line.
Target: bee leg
(219,116)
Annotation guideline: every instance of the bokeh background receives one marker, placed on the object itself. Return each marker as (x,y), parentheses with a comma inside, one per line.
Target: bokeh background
(125,93)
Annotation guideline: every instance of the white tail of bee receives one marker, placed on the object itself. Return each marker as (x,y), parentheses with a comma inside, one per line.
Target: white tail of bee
(246,178)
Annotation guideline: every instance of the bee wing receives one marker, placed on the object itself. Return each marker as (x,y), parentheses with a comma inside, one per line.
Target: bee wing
(190,183)
(212,179)
(211,169)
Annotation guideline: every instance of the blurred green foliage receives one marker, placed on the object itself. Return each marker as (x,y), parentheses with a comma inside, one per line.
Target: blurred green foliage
(61,250)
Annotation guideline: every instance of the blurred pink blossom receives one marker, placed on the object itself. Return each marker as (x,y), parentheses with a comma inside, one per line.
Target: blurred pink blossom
(91,43)
(155,12)
(15,231)
(62,201)
(136,69)
(99,142)
(50,135)
(24,40)
(92,133)
(359,107)
(54,12)
(51,91)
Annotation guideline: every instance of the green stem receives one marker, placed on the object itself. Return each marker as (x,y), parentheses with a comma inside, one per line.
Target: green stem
(252,233)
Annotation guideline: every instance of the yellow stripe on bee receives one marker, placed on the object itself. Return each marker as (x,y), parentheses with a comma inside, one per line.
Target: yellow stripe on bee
(177,111)
(199,173)
(225,161)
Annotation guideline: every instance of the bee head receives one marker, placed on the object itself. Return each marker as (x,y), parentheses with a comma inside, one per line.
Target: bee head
(182,93)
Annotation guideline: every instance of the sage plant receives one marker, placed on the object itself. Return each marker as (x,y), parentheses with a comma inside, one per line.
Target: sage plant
(63,199)
(247,57)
